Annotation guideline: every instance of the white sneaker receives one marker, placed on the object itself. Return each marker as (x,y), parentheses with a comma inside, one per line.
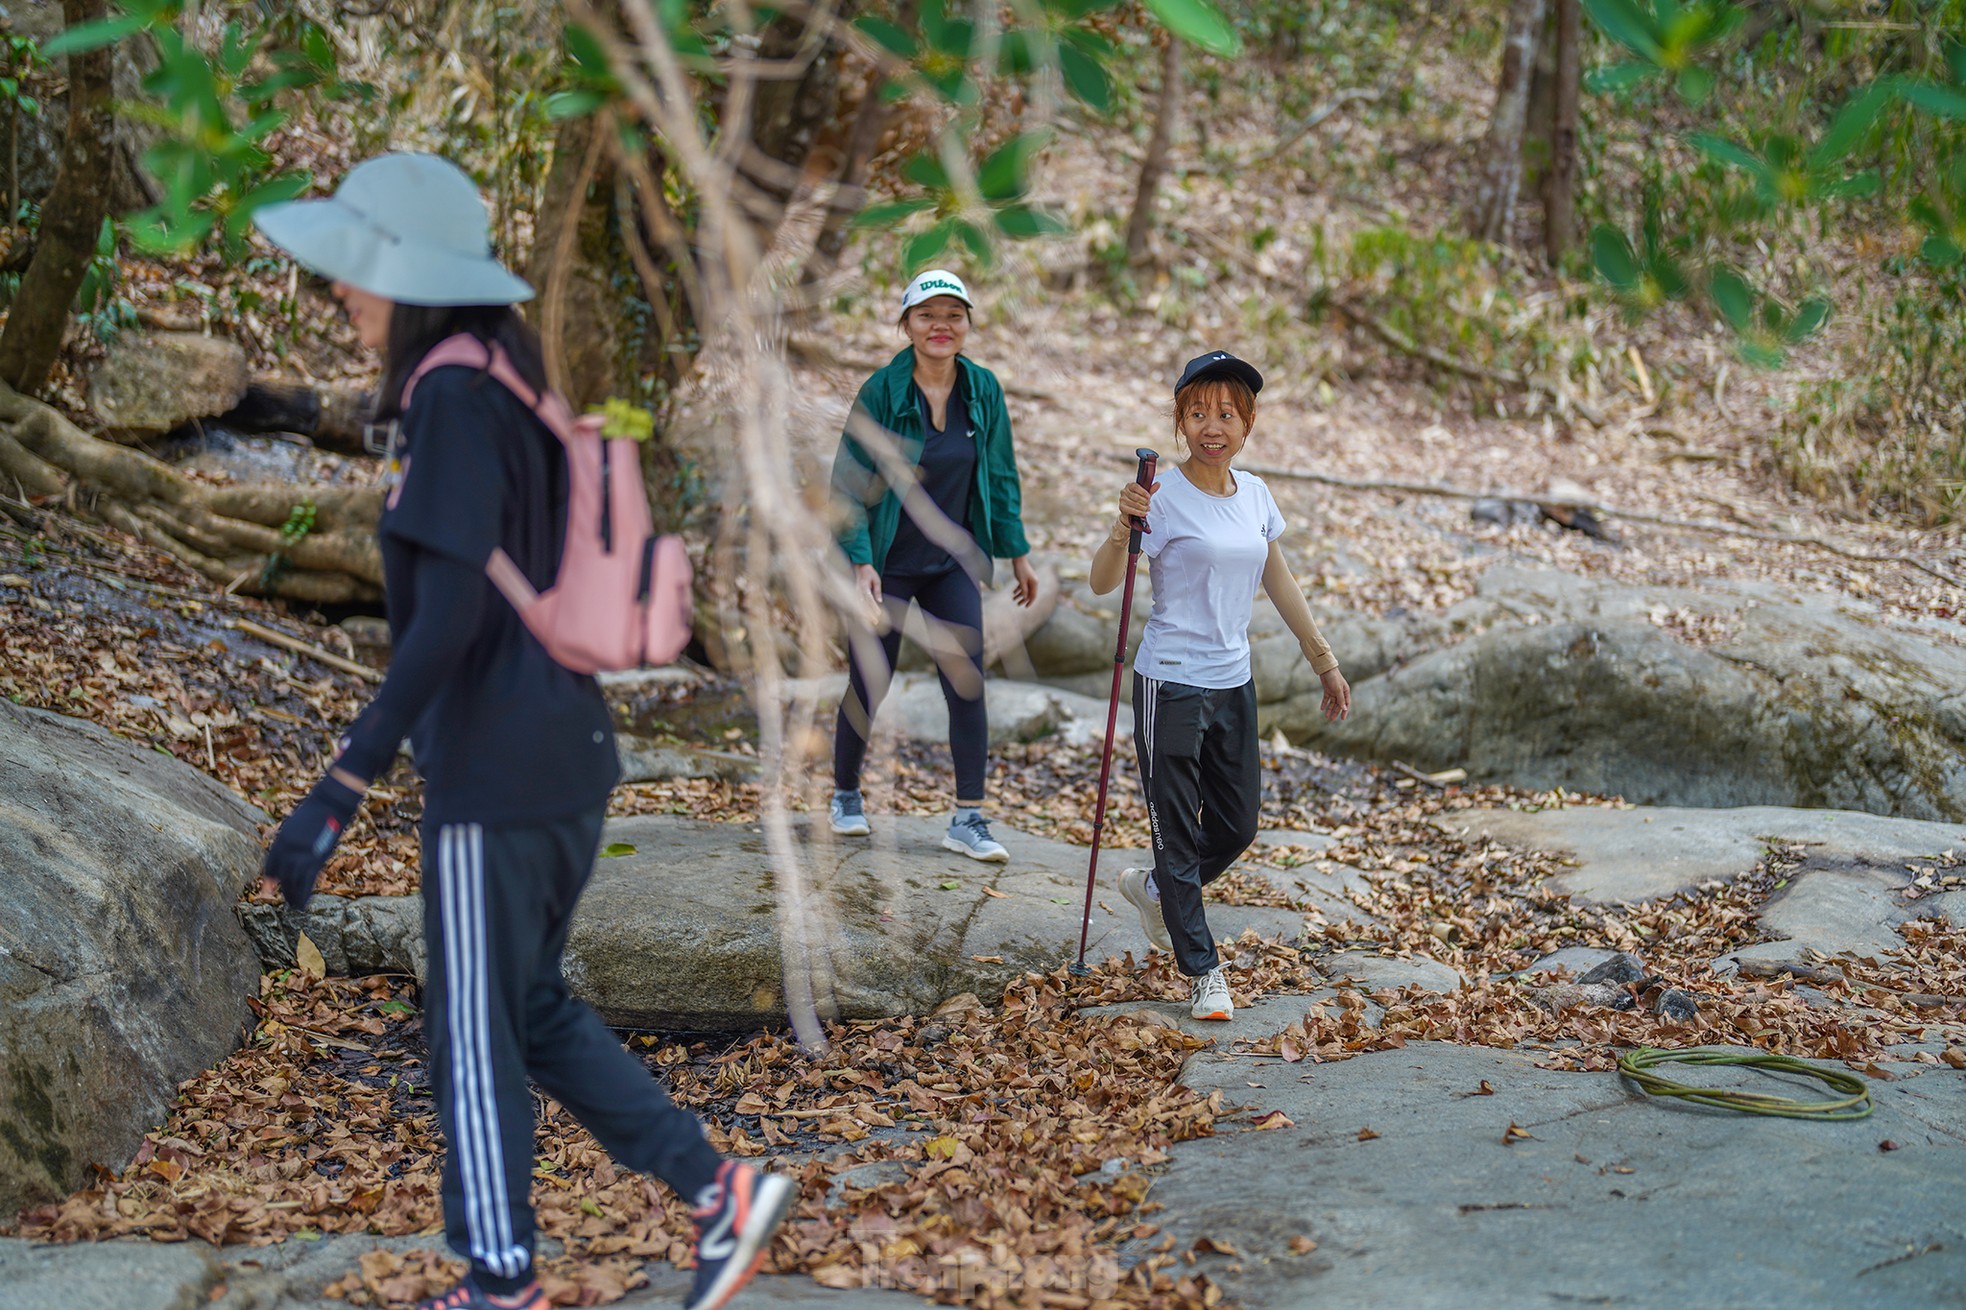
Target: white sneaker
(848,814)
(1133,886)
(1212,997)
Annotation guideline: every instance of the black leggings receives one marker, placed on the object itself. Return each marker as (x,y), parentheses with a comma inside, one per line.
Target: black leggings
(953,598)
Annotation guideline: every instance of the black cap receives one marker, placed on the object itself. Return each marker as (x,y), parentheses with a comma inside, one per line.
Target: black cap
(1220,363)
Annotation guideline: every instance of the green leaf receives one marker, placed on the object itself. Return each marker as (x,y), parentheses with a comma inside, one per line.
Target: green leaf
(616,848)
(952,885)
(1720,149)
(93,36)
(1077,9)
(978,241)
(1849,125)
(1022,222)
(926,245)
(1628,25)
(270,192)
(1085,78)
(1733,297)
(925,169)
(1809,317)
(1004,173)
(889,37)
(1856,186)
(1093,43)
(1199,23)
(573,104)
(1947,102)
(1618,77)
(585,49)
(1016,53)
(1695,84)
(1611,255)
(1940,251)
(953,37)
(892,211)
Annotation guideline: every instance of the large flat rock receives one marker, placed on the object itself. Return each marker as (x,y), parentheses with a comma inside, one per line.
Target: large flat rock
(1615,1200)
(1645,852)
(686,931)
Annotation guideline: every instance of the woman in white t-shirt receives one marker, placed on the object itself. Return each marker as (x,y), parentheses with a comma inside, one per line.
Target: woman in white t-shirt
(1211,541)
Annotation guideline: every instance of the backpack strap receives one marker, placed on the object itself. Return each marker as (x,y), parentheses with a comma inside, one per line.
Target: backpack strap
(550,409)
(471,352)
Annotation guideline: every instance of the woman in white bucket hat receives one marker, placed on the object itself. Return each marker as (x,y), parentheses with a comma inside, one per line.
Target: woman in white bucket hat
(929,543)
(516,751)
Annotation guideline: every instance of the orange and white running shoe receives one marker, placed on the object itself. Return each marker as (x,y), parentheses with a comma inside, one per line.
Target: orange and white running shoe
(734,1229)
(1212,997)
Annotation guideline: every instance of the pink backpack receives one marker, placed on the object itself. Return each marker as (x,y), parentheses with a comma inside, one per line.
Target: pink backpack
(621,599)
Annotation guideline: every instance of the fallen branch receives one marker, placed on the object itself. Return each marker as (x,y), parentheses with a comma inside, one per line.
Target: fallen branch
(1440,359)
(1444,778)
(1397,487)
(1349,96)
(274,637)
(1801,972)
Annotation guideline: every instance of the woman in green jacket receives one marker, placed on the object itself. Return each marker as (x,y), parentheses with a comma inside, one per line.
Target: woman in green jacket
(930,542)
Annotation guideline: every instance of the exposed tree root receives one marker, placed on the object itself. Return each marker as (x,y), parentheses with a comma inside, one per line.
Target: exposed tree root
(232,533)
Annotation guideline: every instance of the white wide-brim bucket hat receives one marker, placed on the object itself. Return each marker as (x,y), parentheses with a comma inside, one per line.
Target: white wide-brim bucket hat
(410,228)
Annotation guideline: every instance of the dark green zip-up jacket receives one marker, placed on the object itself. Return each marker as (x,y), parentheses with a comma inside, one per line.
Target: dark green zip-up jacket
(871,511)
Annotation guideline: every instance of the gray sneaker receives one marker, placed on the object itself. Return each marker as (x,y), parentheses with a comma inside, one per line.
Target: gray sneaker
(848,814)
(971,837)
(1133,886)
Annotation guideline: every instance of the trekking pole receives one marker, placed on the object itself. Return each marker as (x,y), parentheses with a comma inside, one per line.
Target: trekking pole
(1148,460)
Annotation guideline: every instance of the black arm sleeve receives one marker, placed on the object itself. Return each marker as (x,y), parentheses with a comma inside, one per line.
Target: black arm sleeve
(450,603)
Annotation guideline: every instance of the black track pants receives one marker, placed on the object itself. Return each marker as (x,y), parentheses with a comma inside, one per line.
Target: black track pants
(1203,780)
(953,598)
(497,906)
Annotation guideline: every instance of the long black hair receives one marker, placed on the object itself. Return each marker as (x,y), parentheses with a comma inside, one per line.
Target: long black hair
(414,329)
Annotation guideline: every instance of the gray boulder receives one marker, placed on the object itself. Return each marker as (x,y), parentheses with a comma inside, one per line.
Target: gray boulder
(123,967)
(150,383)
(1735,694)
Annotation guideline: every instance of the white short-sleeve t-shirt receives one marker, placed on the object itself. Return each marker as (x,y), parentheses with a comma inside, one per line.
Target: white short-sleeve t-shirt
(1206,558)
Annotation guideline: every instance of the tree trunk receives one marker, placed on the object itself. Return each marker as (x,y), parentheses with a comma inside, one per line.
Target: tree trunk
(1141,225)
(1560,207)
(1501,164)
(870,120)
(1540,115)
(576,254)
(71,218)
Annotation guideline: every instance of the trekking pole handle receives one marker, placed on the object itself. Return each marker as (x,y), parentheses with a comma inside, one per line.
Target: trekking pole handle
(1149,461)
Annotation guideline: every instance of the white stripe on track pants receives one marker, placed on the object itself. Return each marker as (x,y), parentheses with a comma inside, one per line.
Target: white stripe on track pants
(1202,774)
(497,907)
